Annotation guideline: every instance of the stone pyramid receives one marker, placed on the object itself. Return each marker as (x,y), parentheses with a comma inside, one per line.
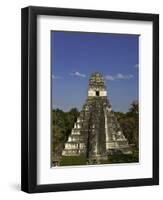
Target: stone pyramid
(97,133)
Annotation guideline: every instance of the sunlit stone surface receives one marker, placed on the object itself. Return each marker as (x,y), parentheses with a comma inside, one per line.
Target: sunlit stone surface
(97,132)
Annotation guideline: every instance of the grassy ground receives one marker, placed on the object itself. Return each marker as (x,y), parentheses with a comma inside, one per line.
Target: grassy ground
(130,158)
(81,160)
(73,160)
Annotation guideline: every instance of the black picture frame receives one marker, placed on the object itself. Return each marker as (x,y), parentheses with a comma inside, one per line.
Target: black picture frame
(29,99)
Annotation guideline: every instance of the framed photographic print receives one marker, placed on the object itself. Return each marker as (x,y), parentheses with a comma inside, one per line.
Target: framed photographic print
(90,99)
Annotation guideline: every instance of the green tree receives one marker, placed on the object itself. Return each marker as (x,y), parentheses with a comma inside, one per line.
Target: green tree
(62,124)
(130,123)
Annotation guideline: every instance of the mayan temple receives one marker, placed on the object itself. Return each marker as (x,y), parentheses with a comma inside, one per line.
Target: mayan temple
(96,132)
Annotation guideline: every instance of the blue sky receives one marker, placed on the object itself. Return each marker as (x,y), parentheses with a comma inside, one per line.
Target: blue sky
(76,55)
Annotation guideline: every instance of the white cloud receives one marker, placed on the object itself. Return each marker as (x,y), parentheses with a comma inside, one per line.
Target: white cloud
(78,74)
(109,78)
(56,77)
(124,77)
(118,76)
(136,66)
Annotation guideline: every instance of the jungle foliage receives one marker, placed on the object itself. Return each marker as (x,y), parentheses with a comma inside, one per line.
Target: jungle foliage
(63,122)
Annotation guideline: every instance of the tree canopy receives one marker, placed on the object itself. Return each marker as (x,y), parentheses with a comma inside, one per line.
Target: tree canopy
(63,122)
